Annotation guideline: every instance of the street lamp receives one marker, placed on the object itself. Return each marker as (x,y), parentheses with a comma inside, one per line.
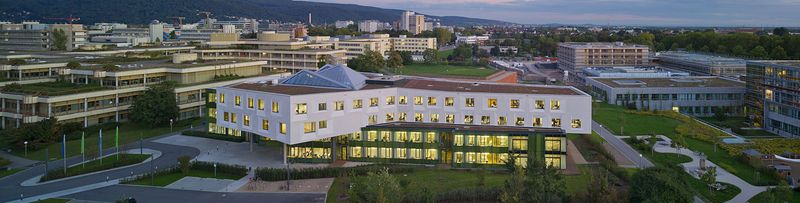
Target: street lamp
(641,159)
(170,125)
(215,170)
(26,148)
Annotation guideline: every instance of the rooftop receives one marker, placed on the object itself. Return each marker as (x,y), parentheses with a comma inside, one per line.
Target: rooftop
(602,45)
(792,63)
(676,82)
(700,58)
(52,88)
(136,64)
(463,127)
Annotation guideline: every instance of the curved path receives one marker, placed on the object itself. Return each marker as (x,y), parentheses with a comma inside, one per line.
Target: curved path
(10,188)
(748,190)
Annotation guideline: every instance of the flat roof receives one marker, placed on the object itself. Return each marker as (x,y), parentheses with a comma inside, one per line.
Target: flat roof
(602,45)
(415,83)
(792,63)
(158,63)
(464,127)
(701,58)
(677,82)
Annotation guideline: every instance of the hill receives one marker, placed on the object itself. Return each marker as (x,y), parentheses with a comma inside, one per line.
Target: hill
(143,11)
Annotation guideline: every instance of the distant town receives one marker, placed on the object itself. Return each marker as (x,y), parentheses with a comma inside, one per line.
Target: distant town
(235,109)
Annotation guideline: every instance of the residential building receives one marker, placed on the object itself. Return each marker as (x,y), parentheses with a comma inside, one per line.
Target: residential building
(412,22)
(695,95)
(574,56)
(343,23)
(32,36)
(773,96)
(479,40)
(369,26)
(702,64)
(336,113)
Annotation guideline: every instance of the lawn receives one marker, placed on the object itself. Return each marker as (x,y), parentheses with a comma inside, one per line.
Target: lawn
(445,70)
(5,173)
(762,197)
(166,179)
(108,162)
(53,200)
(446,53)
(128,133)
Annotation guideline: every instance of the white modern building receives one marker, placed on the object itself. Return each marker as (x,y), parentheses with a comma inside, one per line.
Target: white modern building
(343,23)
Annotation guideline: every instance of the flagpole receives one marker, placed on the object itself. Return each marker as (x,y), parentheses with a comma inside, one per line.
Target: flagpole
(100,146)
(64,152)
(116,141)
(83,151)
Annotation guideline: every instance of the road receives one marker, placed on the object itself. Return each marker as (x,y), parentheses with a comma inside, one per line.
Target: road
(154,194)
(625,149)
(10,188)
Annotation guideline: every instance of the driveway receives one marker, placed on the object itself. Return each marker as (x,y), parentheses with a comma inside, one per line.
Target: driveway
(621,146)
(154,194)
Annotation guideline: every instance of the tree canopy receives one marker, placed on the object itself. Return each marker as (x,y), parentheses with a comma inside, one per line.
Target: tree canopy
(156,106)
(659,185)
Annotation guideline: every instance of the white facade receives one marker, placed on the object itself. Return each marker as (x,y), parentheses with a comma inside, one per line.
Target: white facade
(343,23)
(369,26)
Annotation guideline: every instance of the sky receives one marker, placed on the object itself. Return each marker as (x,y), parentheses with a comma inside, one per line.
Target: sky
(614,12)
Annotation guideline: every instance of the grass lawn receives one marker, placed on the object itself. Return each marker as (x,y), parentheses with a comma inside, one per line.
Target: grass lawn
(446,53)
(166,179)
(762,197)
(446,70)
(128,133)
(5,173)
(53,200)
(108,162)
(736,123)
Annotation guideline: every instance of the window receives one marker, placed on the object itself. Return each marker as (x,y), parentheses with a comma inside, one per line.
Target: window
(401,136)
(552,144)
(430,154)
(416,136)
(450,118)
(449,101)
(485,120)
(356,136)
(502,120)
(357,104)
(390,100)
(225,116)
(355,152)
(416,153)
(373,119)
(471,157)
(283,128)
(519,144)
(430,137)
(301,108)
(418,100)
(221,98)
(459,157)
(403,100)
(556,122)
(431,101)
(372,152)
(468,119)
(274,107)
(246,120)
(539,104)
(401,153)
(237,100)
(470,140)
(469,102)
(338,105)
(492,103)
(260,104)
(322,107)
(309,127)
(323,124)
(458,140)
(501,141)
(576,123)
(537,122)
(372,135)
(552,161)
(233,118)
(520,121)
(250,103)
(389,117)
(386,136)
(265,124)
(373,102)
(386,153)
(514,103)
(484,141)
(402,116)
(555,105)
(418,117)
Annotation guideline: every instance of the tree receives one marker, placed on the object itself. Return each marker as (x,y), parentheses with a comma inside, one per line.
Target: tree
(738,50)
(779,194)
(778,53)
(514,188)
(462,52)
(443,36)
(431,56)
(376,187)
(156,106)
(395,60)
(544,183)
(600,189)
(658,184)
(370,61)
(59,39)
(709,178)
(780,31)
(495,51)
(17,62)
(73,65)
(184,162)
(759,52)
(408,59)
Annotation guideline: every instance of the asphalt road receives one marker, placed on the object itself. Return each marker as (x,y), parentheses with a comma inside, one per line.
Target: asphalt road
(622,147)
(10,188)
(153,194)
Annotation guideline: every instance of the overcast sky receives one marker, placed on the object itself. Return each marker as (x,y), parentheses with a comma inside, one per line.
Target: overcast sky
(614,12)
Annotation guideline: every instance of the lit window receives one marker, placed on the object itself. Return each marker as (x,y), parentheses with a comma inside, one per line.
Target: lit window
(416,136)
(450,118)
(265,124)
(372,152)
(275,107)
(458,140)
(246,120)
(237,100)
(221,98)
(430,154)
(373,119)
(485,120)
(401,136)
(301,108)
(537,122)
(401,153)
(431,101)
(459,157)
(555,104)
(390,100)
(338,105)
(355,152)
(768,94)
(323,124)
(403,100)
(539,104)
(430,137)
(434,118)
(552,144)
(501,141)
(502,120)
(576,123)
(357,104)
(372,135)
(386,153)
(260,104)
(418,117)
(356,136)
(386,136)
(520,121)
(401,116)
(468,119)
(519,144)
(416,153)
(373,102)
(492,103)
(389,117)
(469,102)
(322,106)
(470,140)
(556,122)
(514,103)
(225,116)
(283,128)
(449,101)
(552,160)
(471,157)
(249,102)
(309,127)
(418,100)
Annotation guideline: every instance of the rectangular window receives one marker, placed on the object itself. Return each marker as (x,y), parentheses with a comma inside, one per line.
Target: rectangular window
(372,152)
(373,102)
(430,154)
(468,119)
(386,136)
(459,157)
(501,141)
(514,103)
(282,128)
(372,135)
(260,104)
(470,140)
(265,124)
(323,124)
(449,101)
(403,100)
(555,104)
(356,136)
(537,122)
(357,104)
(418,100)
(373,119)
(418,117)
(275,107)
(485,120)
(309,127)
(539,104)
(520,121)
(389,117)
(338,105)
(225,116)
(246,120)
(416,137)
(386,153)
(322,107)
(492,103)
(401,116)
(502,121)
(237,100)
(401,136)
(221,98)
(576,123)
(458,140)
(434,118)
(249,102)
(556,122)
(430,137)
(552,144)
(301,108)
(519,144)
(233,118)
(484,141)
(471,157)
(431,101)
(450,118)
(469,102)
(416,153)
(401,153)
(355,152)
(390,100)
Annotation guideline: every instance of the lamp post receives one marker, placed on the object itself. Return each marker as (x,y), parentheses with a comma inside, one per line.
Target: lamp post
(215,170)
(170,125)
(26,148)
(641,159)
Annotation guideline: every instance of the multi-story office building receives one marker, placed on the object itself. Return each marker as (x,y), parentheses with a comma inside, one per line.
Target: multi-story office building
(479,40)
(413,44)
(412,22)
(698,95)
(573,56)
(773,96)
(336,113)
(240,26)
(701,64)
(382,44)
(31,36)
(276,50)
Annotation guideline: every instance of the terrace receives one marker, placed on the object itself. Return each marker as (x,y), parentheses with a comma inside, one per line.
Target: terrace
(52,88)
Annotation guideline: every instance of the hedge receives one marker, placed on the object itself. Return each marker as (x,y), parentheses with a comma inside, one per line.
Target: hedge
(278,174)
(215,136)
(479,194)
(221,168)
(124,160)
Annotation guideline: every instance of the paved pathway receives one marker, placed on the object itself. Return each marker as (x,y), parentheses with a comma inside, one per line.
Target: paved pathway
(17,162)
(621,146)
(201,184)
(237,153)
(156,194)
(748,190)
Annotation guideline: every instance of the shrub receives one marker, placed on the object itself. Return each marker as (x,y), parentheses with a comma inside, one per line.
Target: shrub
(184,164)
(221,168)
(215,136)
(277,174)
(488,194)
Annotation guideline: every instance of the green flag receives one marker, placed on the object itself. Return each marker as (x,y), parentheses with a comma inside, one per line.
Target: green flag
(116,138)
(82,141)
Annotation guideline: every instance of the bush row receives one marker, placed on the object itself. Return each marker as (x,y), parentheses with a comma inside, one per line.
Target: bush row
(215,136)
(278,174)
(478,194)
(161,172)
(221,168)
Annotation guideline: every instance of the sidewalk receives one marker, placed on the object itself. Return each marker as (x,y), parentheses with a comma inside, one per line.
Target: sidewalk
(17,162)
